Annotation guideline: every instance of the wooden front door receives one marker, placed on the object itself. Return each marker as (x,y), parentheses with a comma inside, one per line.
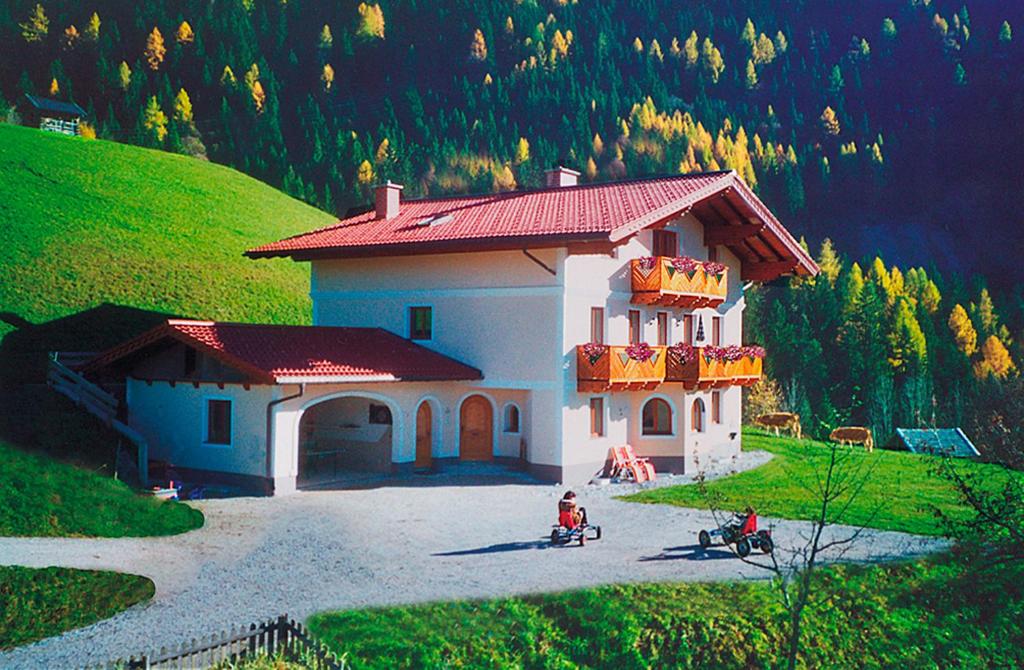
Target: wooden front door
(476,429)
(424,435)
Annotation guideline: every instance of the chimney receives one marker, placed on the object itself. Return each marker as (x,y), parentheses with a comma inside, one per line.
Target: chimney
(386,199)
(561,176)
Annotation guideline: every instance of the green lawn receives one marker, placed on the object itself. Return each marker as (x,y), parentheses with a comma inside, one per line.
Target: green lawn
(930,614)
(40,603)
(40,496)
(92,222)
(902,491)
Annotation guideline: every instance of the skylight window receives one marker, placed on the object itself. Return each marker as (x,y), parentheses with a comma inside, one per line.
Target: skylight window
(435,220)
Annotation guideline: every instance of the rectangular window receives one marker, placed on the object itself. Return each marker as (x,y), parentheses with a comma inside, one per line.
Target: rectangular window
(716,331)
(665,243)
(662,329)
(597,417)
(713,254)
(716,407)
(688,328)
(635,329)
(218,422)
(597,324)
(190,361)
(421,326)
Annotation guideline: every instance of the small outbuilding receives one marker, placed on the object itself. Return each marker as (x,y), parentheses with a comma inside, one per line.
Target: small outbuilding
(937,442)
(53,115)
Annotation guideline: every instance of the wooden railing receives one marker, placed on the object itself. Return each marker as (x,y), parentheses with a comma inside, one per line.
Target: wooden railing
(281,636)
(657,281)
(613,369)
(100,404)
(702,372)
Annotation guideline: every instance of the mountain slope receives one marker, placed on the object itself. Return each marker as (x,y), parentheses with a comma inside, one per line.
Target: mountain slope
(93,222)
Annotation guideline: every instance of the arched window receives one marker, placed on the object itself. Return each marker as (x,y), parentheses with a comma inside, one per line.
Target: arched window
(657,417)
(697,416)
(511,418)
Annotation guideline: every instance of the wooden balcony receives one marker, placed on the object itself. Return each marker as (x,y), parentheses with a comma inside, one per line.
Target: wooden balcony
(676,282)
(613,370)
(700,371)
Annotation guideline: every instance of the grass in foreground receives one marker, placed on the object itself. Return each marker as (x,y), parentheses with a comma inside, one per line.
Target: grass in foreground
(902,492)
(43,497)
(88,222)
(35,604)
(931,614)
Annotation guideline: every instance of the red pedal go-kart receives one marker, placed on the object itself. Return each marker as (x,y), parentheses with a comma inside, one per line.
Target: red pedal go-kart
(742,532)
(562,534)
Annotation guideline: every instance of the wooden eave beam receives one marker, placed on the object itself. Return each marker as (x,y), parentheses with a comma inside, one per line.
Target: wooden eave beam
(729,235)
(766,271)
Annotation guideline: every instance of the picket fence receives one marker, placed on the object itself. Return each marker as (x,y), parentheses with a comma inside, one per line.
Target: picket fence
(282,636)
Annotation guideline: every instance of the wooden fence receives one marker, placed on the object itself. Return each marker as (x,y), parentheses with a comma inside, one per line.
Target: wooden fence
(282,636)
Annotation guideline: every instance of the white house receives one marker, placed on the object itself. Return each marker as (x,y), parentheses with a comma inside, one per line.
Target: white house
(453,329)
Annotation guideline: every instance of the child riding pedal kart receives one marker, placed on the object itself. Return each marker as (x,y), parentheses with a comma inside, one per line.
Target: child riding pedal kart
(742,531)
(572,523)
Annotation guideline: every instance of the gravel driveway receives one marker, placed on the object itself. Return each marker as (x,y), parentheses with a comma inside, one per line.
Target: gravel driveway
(444,538)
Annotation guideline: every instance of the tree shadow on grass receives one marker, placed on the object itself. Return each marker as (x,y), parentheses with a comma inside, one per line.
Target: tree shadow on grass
(690,552)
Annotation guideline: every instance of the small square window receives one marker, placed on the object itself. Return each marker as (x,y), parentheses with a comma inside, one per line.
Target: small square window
(218,422)
(421,326)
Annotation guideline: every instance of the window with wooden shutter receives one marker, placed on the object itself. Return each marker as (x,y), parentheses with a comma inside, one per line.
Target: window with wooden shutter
(597,417)
(716,331)
(597,324)
(688,328)
(635,329)
(663,328)
(666,243)
(716,407)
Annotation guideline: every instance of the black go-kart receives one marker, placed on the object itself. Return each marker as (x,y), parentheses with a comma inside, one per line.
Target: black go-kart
(581,533)
(731,532)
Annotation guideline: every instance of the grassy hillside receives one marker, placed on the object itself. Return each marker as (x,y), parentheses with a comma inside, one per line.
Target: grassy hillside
(42,497)
(902,490)
(93,222)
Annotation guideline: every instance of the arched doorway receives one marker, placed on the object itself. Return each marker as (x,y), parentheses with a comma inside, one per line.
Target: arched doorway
(345,436)
(424,436)
(476,429)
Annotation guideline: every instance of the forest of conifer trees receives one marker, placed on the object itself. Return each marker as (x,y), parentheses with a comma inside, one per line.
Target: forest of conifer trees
(887,127)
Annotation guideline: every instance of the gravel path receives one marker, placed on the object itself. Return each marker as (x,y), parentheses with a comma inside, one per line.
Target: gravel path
(442,538)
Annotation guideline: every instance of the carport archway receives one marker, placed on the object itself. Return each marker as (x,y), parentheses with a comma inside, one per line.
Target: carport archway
(344,437)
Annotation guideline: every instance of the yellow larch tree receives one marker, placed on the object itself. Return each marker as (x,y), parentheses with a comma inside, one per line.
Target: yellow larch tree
(371,21)
(963,331)
(184,35)
(478,46)
(155,49)
(994,360)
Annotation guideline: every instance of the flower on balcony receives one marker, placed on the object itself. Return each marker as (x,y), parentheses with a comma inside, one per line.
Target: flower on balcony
(714,268)
(683,352)
(641,351)
(727,353)
(594,351)
(753,351)
(647,263)
(685,264)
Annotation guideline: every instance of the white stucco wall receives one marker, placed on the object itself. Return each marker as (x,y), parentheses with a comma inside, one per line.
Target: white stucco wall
(173,421)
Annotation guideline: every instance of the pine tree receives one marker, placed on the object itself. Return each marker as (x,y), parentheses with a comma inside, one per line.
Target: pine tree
(994,360)
(155,49)
(690,51)
(124,76)
(836,83)
(764,50)
(478,46)
(522,151)
(751,75)
(182,107)
(959,75)
(92,29)
(35,28)
(963,331)
(713,62)
(1005,33)
(327,76)
(908,350)
(184,35)
(781,43)
(70,38)
(326,40)
(371,22)
(829,263)
(155,121)
(829,122)
(749,34)
(888,28)
(365,175)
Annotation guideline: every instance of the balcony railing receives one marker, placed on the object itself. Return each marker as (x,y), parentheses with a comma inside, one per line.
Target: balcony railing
(678,282)
(713,367)
(618,368)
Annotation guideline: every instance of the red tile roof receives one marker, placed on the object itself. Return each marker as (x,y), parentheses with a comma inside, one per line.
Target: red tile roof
(281,354)
(605,212)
